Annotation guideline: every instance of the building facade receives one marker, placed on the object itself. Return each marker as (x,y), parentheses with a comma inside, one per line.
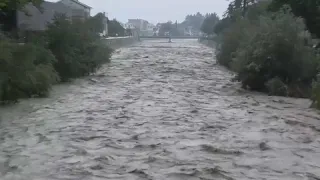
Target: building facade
(151,29)
(77,5)
(144,27)
(140,24)
(129,26)
(37,19)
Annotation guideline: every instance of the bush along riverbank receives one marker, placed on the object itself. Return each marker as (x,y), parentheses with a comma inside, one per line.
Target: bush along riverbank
(270,50)
(64,51)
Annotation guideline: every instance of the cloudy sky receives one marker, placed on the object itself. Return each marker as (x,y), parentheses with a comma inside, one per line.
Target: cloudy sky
(155,10)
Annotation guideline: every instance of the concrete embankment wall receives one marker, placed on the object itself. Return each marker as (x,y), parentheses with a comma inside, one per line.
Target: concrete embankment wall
(118,42)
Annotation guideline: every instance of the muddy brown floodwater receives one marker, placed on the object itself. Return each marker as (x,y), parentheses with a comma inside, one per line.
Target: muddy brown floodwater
(159,111)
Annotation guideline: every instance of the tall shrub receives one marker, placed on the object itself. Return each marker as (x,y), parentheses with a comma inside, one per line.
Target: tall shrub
(76,48)
(237,28)
(279,48)
(230,41)
(25,70)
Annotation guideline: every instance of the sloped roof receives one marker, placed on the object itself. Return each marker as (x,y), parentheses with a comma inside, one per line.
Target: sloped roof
(84,5)
(37,20)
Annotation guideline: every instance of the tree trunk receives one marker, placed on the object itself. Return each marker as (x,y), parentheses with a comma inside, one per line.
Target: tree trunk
(245,5)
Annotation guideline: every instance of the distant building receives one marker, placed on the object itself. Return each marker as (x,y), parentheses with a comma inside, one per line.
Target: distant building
(151,29)
(144,27)
(140,24)
(129,26)
(150,26)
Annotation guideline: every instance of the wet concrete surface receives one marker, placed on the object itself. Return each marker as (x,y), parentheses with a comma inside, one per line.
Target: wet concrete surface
(159,111)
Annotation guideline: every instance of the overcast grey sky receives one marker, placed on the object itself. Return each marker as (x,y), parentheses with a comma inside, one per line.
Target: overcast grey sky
(155,10)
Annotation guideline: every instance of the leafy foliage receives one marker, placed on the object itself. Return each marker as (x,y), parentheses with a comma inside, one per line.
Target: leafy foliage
(236,10)
(114,28)
(231,40)
(17,4)
(66,50)
(307,9)
(209,23)
(76,48)
(280,48)
(169,27)
(275,86)
(193,20)
(26,71)
(222,25)
(8,15)
(270,51)
(96,23)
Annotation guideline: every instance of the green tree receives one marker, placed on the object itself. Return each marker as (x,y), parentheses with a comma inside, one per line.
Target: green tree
(8,15)
(165,27)
(173,29)
(96,23)
(238,9)
(17,4)
(114,28)
(276,51)
(209,23)
(25,70)
(307,9)
(76,48)
(193,20)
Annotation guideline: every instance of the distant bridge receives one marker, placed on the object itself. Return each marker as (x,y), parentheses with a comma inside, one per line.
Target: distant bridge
(167,37)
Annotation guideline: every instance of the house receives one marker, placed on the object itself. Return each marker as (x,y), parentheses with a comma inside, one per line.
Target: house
(151,29)
(129,26)
(37,19)
(79,8)
(140,24)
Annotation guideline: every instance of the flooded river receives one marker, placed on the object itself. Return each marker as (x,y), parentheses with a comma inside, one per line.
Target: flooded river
(159,111)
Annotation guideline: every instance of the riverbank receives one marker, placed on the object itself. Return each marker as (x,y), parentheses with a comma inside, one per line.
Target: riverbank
(63,52)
